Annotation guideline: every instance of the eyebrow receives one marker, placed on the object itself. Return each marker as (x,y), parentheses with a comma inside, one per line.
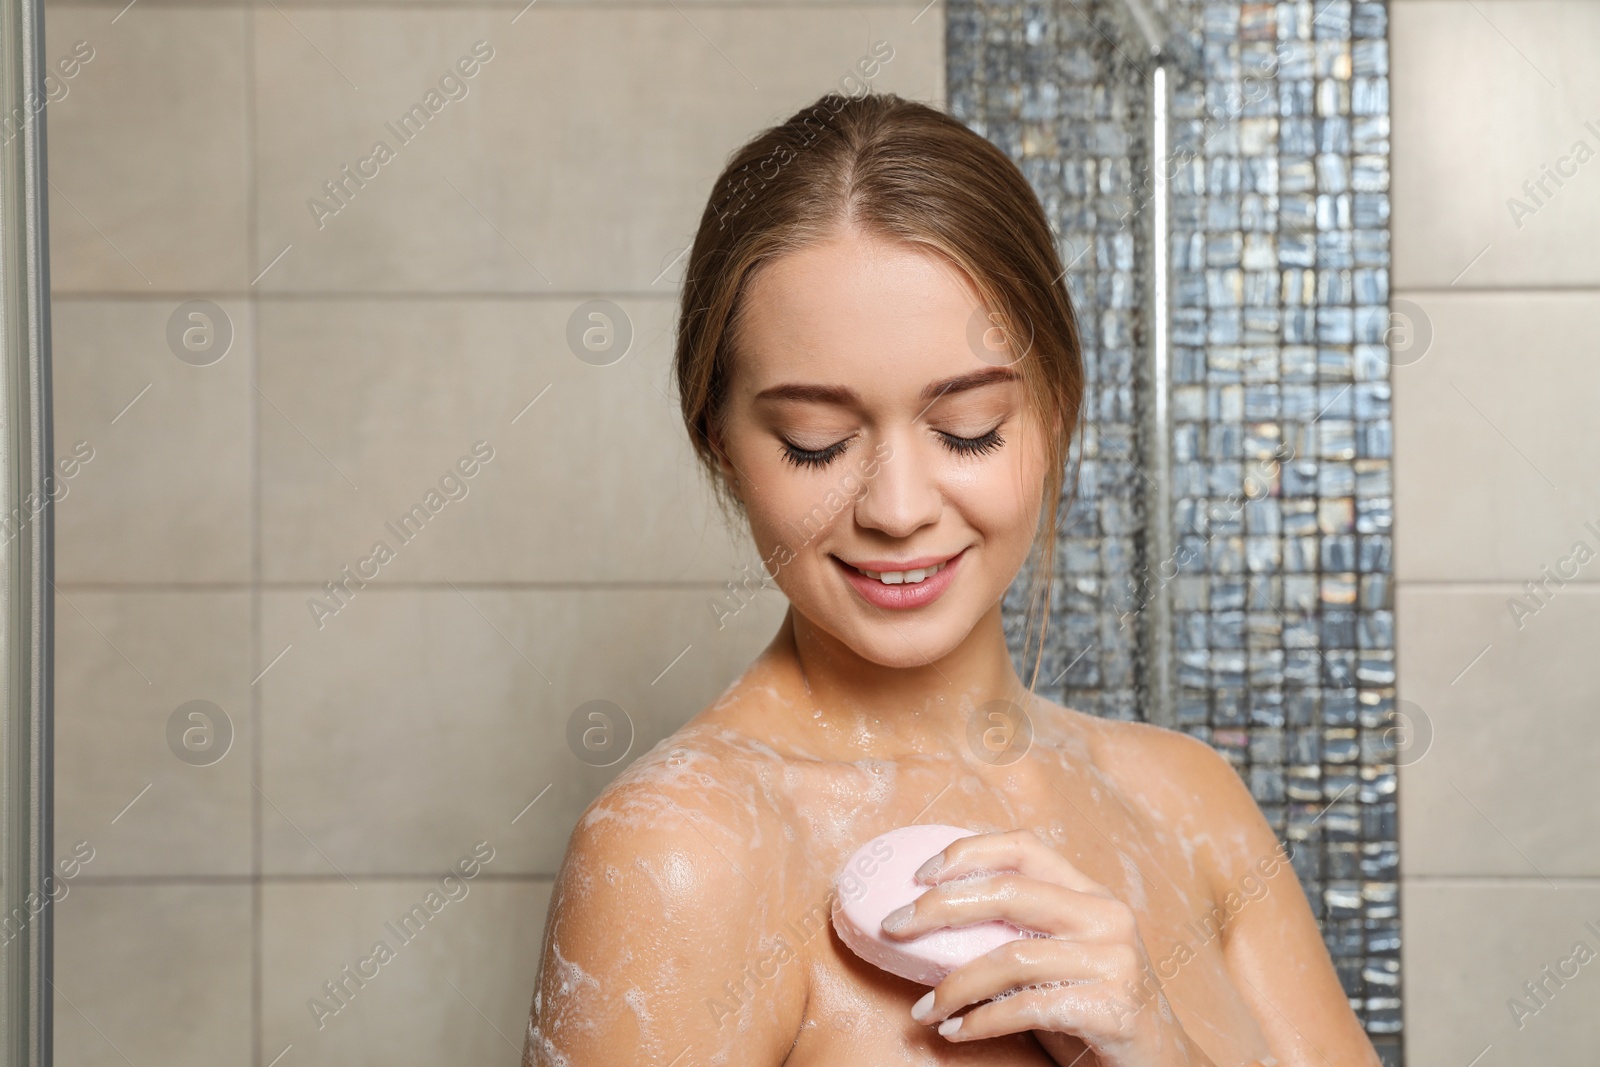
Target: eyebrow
(838,394)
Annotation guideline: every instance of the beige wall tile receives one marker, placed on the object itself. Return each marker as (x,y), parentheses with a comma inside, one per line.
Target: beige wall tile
(1484,95)
(153,974)
(367,405)
(1508,786)
(455,986)
(418,721)
(1469,949)
(512,7)
(126,662)
(1494,473)
(148,152)
(598,187)
(164,494)
(1493,485)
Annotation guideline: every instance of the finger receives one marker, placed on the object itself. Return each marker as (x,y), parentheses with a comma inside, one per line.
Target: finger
(1090,1010)
(1033,961)
(1026,902)
(1015,850)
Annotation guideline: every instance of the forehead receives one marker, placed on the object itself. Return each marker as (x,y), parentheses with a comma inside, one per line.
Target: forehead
(859,309)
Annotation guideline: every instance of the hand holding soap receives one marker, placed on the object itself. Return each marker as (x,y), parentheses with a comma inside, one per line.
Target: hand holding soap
(880,877)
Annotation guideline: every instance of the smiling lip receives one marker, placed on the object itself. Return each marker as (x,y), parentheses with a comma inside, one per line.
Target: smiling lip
(881,565)
(902,596)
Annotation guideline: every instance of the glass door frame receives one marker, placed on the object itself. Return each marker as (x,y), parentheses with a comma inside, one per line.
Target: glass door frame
(26,547)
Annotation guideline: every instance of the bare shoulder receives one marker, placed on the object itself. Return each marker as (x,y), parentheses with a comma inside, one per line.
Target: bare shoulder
(660,893)
(1183,784)
(1271,940)
(698,781)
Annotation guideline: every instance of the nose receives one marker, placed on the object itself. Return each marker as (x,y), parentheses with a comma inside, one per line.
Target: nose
(903,494)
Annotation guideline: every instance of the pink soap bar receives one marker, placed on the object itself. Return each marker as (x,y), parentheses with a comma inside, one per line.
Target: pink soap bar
(881,877)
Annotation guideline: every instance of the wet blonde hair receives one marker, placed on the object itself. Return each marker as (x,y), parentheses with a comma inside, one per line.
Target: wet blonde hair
(901,171)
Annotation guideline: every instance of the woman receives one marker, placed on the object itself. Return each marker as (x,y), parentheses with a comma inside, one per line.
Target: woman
(879,367)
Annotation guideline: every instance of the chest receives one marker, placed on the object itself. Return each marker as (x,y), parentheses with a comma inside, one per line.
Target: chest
(857,1014)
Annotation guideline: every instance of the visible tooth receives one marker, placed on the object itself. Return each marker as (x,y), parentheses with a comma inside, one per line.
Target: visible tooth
(903,577)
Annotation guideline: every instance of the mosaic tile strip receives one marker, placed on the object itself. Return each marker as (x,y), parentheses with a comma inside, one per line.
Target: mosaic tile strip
(1282,608)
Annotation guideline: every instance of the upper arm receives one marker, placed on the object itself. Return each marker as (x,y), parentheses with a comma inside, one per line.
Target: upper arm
(653,921)
(1270,939)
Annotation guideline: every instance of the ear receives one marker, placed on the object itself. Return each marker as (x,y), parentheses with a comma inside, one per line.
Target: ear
(730,475)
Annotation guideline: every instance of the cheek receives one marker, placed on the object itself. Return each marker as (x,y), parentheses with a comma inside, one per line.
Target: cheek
(1004,499)
(790,513)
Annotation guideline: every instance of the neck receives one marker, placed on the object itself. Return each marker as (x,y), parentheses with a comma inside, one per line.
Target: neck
(876,710)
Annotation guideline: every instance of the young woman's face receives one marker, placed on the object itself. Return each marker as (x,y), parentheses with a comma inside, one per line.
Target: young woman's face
(891,467)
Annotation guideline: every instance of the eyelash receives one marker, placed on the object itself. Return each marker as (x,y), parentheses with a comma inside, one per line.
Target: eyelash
(965,446)
(981,445)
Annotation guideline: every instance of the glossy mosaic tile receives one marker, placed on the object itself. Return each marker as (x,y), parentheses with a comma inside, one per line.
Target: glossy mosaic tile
(1280,610)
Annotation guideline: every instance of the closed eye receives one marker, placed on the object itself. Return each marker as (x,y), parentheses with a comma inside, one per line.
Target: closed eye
(973,446)
(821,457)
(812,457)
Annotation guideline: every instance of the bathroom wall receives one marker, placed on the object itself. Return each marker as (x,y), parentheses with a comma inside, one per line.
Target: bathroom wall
(354,744)
(1495,487)
(246,850)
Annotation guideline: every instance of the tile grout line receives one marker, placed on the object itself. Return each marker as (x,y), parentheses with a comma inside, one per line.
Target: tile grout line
(252,243)
(398,878)
(1470,881)
(389,296)
(450,7)
(441,585)
(1510,288)
(1496,586)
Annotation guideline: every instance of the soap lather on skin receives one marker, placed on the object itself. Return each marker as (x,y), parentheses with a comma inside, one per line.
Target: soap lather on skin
(880,878)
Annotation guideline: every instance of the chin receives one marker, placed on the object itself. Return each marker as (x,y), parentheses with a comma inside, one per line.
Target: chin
(887,648)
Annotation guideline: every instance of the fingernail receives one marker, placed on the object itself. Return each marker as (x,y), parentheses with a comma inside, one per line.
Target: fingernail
(949,1026)
(929,869)
(897,918)
(920,1010)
